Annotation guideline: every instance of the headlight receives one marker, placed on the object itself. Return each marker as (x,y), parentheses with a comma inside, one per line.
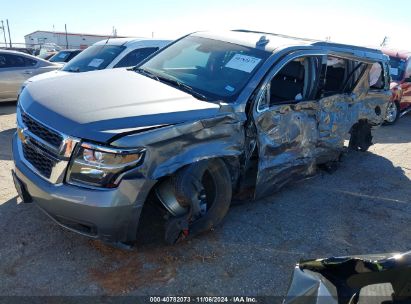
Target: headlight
(100,166)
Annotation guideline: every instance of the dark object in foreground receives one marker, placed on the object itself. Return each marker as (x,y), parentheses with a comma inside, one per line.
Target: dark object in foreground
(342,280)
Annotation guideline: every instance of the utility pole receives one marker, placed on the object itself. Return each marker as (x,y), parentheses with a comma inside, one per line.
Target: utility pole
(8,28)
(4,33)
(65,27)
(384,42)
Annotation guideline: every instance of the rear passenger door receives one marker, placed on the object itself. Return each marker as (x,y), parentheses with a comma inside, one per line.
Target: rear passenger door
(285,118)
(338,109)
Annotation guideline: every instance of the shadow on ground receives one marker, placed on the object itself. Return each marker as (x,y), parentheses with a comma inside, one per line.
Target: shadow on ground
(5,143)
(7,108)
(400,132)
(362,208)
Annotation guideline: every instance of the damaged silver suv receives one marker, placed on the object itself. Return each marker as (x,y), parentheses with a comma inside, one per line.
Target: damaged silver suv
(210,118)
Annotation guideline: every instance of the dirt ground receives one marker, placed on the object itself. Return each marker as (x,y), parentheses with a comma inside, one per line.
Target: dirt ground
(364,207)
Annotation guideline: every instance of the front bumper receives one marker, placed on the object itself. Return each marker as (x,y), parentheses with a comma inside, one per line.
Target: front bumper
(111,215)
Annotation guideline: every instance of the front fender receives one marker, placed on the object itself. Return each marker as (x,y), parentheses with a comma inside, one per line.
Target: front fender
(171,148)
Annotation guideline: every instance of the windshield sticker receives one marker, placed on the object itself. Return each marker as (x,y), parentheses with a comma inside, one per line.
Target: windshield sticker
(243,63)
(394,71)
(95,63)
(229,88)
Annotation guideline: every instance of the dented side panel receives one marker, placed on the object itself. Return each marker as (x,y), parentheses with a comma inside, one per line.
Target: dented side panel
(287,137)
(338,114)
(294,138)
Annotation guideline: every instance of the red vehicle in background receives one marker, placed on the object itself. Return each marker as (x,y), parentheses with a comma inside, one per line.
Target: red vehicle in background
(400,104)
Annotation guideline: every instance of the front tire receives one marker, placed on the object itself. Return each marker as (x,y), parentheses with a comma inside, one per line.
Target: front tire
(197,197)
(393,113)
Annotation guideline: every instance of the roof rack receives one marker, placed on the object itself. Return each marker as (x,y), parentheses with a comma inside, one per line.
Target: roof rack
(315,41)
(275,34)
(350,46)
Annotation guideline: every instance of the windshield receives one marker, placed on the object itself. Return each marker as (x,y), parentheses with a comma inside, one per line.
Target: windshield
(397,68)
(60,57)
(45,55)
(213,68)
(96,57)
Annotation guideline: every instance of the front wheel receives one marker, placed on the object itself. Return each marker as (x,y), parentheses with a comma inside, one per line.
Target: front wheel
(197,198)
(393,113)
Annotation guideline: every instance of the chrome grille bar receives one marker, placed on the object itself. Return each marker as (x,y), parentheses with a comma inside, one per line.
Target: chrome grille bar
(43,149)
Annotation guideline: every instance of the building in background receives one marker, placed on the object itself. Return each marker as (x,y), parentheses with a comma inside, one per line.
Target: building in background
(63,40)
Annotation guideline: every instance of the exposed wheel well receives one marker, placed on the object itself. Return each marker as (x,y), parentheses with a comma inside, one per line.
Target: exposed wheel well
(154,215)
(361,137)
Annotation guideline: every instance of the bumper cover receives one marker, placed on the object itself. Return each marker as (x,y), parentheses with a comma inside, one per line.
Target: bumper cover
(110,215)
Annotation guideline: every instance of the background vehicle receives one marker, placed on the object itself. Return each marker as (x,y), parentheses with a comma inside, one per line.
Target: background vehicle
(15,68)
(108,54)
(400,71)
(65,55)
(46,55)
(29,51)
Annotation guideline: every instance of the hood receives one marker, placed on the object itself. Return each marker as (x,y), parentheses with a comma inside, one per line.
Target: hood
(55,73)
(98,105)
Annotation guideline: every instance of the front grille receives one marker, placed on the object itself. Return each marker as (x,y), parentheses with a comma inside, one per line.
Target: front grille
(50,136)
(43,163)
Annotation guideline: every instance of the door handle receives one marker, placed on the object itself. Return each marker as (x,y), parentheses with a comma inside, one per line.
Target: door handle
(28,72)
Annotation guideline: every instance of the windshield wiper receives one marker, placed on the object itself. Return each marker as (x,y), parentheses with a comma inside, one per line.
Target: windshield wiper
(183,86)
(172,81)
(75,70)
(146,73)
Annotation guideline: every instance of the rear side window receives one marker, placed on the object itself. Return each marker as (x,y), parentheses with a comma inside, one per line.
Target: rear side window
(135,57)
(15,61)
(4,63)
(376,76)
(341,75)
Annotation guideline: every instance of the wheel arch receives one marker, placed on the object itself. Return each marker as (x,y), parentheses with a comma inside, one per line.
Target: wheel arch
(232,163)
(360,135)
(180,195)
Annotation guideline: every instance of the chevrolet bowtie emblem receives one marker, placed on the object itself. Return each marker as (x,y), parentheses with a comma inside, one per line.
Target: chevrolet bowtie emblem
(21,135)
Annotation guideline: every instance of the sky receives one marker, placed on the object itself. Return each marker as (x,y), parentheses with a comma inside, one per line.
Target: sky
(361,22)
